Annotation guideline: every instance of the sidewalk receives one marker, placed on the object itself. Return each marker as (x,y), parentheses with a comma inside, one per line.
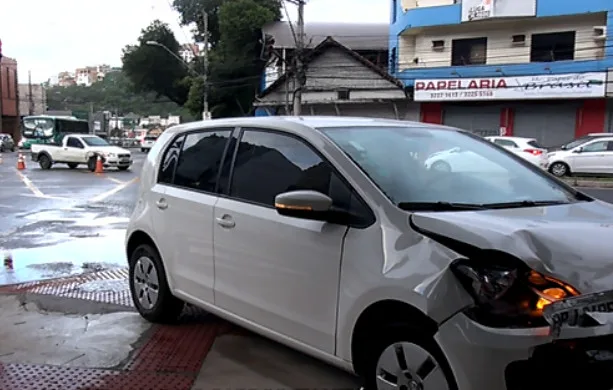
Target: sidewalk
(82,333)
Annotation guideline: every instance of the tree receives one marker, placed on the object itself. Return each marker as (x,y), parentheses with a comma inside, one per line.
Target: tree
(113,93)
(235,68)
(150,68)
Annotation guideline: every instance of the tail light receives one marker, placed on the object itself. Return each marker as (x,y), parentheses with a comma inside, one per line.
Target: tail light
(535,152)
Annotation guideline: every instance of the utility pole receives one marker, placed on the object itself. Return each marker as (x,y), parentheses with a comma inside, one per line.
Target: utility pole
(205,75)
(300,72)
(30,96)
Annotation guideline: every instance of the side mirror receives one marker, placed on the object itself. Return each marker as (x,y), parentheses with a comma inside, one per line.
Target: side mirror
(578,150)
(304,204)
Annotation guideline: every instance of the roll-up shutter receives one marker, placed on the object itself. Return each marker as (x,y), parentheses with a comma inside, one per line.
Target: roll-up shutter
(552,124)
(479,119)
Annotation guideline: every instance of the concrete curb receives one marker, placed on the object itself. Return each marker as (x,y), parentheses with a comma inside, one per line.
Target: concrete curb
(67,305)
(588,183)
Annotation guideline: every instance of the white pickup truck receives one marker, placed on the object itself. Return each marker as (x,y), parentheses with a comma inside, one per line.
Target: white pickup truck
(77,149)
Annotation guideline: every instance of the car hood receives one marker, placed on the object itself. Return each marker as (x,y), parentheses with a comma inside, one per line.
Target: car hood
(571,242)
(110,149)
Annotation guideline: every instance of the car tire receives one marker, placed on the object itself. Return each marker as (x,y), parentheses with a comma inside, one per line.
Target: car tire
(91,163)
(143,150)
(149,287)
(387,362)
(441,166)
(559,169)
(72,165)
(45,162)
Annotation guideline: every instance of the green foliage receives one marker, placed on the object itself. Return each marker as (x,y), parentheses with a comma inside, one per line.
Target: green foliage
(152,68)
(111,94)
(235,68)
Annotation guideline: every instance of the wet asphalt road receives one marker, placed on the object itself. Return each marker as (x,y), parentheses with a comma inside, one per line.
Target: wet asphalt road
(63,221)
(42,213)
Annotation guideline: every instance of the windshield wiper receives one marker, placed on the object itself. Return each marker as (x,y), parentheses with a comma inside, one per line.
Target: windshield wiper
(439,206)
(523,203)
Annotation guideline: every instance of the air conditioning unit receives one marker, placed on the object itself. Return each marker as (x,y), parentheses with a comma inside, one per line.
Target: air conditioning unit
(438,45)
(518,40)
(600,33)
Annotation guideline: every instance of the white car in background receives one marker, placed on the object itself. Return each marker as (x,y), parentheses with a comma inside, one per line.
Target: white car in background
(147,143)
(592,157)
(526,148)
(459,160)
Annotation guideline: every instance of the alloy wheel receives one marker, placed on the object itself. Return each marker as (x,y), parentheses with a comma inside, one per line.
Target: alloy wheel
(146,283)
(408,366)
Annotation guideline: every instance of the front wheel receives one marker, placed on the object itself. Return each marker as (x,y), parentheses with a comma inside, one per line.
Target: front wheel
(402,362)
(45,162)
(149,287)
(559,169)
(91,163)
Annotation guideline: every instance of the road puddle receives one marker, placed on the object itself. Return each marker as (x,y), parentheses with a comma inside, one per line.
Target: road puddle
(77,256)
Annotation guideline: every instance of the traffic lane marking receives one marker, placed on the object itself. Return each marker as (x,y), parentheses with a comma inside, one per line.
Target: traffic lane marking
(28,183)
(108,194)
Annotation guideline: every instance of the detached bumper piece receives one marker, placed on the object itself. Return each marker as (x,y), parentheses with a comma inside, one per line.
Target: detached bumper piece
(569,364)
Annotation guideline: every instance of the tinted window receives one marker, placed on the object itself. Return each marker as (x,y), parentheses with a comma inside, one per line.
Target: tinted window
(505,142)
(599,146)
(171,156)
(268,164)
(201,159)
(74,143)
(535,144)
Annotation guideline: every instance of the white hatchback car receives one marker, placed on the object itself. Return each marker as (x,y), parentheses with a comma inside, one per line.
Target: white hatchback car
(147,143)
(594,156)
(526,148)
(327,234)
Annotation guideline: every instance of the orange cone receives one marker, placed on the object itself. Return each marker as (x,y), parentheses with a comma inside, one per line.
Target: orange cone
(21,162)
(99,167)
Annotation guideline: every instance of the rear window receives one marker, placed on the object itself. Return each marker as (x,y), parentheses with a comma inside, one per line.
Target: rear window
(535,144)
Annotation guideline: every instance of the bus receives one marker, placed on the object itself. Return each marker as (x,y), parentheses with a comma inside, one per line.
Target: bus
(46,129)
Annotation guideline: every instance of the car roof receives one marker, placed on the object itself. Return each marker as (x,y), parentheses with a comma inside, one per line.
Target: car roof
(511,138)
(299,123)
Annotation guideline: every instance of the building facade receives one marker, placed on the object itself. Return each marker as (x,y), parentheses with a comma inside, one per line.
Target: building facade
(9,98)
(32,99)
(528,68)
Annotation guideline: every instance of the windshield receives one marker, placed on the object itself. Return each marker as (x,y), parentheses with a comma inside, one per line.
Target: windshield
(37,127)
(95,141)
(577,142)
(429,165)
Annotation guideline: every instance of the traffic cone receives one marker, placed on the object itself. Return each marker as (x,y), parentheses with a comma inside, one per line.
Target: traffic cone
(99,167)
(21,162)
(8,261)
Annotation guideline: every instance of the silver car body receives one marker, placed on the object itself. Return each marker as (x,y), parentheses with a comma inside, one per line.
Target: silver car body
(402,258)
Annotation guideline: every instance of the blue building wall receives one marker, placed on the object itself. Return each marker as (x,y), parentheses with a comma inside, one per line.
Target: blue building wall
(451,15)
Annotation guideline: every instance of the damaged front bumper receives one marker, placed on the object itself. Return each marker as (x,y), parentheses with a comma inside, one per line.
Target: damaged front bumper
(572,357)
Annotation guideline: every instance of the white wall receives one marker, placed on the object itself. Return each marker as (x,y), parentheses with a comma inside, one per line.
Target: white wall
(409,4)
(418,42)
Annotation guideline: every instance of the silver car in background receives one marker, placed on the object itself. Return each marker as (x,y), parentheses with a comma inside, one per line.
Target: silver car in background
(339,238)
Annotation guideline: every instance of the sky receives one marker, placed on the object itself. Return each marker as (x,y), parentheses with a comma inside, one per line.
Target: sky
(47,37)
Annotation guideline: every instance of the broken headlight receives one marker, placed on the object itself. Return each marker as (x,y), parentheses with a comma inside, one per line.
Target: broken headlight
(508,294)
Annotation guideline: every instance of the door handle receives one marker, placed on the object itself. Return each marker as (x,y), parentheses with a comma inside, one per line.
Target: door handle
(226,222)
(162,204)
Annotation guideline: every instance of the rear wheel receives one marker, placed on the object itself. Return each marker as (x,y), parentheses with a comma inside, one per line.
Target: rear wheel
(149,287)
(72,165)
(400,361)
(44,161)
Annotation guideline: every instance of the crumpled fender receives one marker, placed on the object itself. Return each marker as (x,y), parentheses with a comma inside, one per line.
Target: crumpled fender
(569,245)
